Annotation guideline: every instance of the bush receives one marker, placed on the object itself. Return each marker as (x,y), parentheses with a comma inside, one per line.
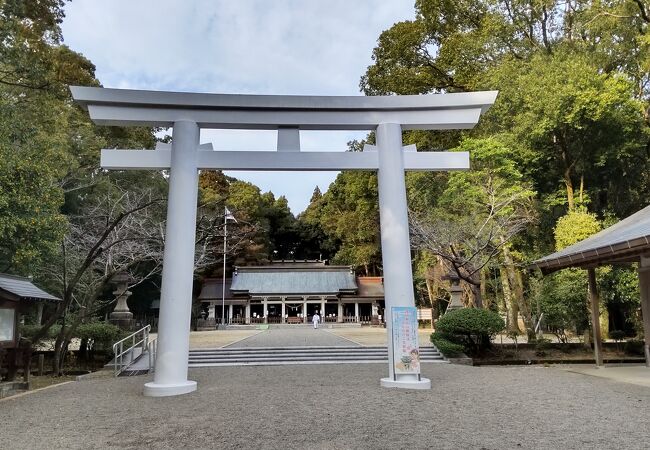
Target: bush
(634,347)
(29,331)
(542,345)
(472,328)
(617,335)
(102,334)
(563,300)
(445,346)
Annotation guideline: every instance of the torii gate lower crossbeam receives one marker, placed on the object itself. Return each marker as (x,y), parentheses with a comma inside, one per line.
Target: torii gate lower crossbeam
(388,116)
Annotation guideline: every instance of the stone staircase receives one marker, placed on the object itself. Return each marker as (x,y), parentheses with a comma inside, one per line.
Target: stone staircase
(299,355)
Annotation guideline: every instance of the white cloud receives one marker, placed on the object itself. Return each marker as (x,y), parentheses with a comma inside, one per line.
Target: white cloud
(244,46)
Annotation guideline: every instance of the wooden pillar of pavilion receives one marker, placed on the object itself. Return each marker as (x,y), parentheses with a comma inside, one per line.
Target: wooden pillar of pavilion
(595,316)
(644,288)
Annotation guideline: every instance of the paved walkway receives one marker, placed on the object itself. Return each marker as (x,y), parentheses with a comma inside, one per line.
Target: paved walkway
(336,407)
(218,338)
(293,337)
(639,375)
(375,336)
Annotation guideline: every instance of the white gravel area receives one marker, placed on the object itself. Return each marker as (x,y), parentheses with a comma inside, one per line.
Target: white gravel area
(337,407)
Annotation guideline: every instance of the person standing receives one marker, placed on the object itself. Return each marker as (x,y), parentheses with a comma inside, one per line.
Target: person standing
(315,319)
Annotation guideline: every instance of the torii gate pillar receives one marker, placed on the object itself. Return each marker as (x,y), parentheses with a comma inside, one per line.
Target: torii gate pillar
(170,377)
(395,242)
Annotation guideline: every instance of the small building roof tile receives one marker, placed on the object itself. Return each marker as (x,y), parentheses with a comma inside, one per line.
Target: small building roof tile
(24,288)
(623,241)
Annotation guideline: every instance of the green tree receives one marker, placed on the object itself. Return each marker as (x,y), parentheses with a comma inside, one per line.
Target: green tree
(566,120)
(563,295)
(31,225)
(478,214)
(574,227)
(315,242)
(350,215)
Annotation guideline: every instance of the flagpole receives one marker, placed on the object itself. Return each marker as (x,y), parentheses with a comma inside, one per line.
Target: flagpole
(223,285)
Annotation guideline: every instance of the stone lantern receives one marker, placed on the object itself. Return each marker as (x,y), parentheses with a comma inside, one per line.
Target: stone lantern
(456,292)
(121,315)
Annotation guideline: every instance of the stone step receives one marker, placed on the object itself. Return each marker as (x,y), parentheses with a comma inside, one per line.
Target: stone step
(234,361)
(299,354)
(381,352)
(263,356)
(300,349)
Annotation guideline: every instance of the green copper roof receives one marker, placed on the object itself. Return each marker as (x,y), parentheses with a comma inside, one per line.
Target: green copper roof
(296,281)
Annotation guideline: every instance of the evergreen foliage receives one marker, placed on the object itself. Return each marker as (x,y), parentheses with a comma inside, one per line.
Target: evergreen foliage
(472,328)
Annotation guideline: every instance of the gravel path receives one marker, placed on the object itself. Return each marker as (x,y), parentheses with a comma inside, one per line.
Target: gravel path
(297,337)
(338,407)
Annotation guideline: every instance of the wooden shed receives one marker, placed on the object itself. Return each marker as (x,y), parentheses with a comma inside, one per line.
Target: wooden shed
(17,295)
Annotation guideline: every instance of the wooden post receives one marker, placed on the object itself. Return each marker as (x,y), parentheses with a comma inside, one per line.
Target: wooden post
(27,365)
(644,287)
(595,322)
(3,353)
(41,364)
(12,367)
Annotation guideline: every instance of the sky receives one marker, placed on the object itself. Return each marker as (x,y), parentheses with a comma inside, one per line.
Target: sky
(301,47)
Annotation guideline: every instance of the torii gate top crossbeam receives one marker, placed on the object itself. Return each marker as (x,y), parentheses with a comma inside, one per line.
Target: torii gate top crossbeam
(124,107)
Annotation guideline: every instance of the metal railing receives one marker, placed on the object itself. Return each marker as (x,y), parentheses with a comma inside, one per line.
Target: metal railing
(138,339)
(152,349)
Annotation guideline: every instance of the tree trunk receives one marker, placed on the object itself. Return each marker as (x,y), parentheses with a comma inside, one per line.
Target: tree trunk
(433,300)
(57,361)
(61,344)
(566,175)
(582,189)
(517,290)
(524,307)
(509,299)
(569,188)
(603,318)
(476,291)
(487,302)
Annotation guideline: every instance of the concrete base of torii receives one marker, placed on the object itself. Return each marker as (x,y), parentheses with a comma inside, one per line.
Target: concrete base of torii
(154,389)
(404,383)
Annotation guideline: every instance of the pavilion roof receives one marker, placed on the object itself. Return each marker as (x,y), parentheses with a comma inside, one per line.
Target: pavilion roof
(370,286)
(23,288)
(624,241)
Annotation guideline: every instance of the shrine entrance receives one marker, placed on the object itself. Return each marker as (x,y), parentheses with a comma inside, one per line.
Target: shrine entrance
(188,113)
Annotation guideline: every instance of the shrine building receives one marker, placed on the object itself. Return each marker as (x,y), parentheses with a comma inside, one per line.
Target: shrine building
(291,292)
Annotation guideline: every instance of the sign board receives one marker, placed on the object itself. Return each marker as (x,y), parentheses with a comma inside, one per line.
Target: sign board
(7,324)
(406,352)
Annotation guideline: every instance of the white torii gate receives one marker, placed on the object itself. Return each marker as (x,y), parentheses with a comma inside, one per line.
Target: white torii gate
(187,113)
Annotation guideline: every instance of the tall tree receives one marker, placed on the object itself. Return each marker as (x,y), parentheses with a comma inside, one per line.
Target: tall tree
(478,215)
